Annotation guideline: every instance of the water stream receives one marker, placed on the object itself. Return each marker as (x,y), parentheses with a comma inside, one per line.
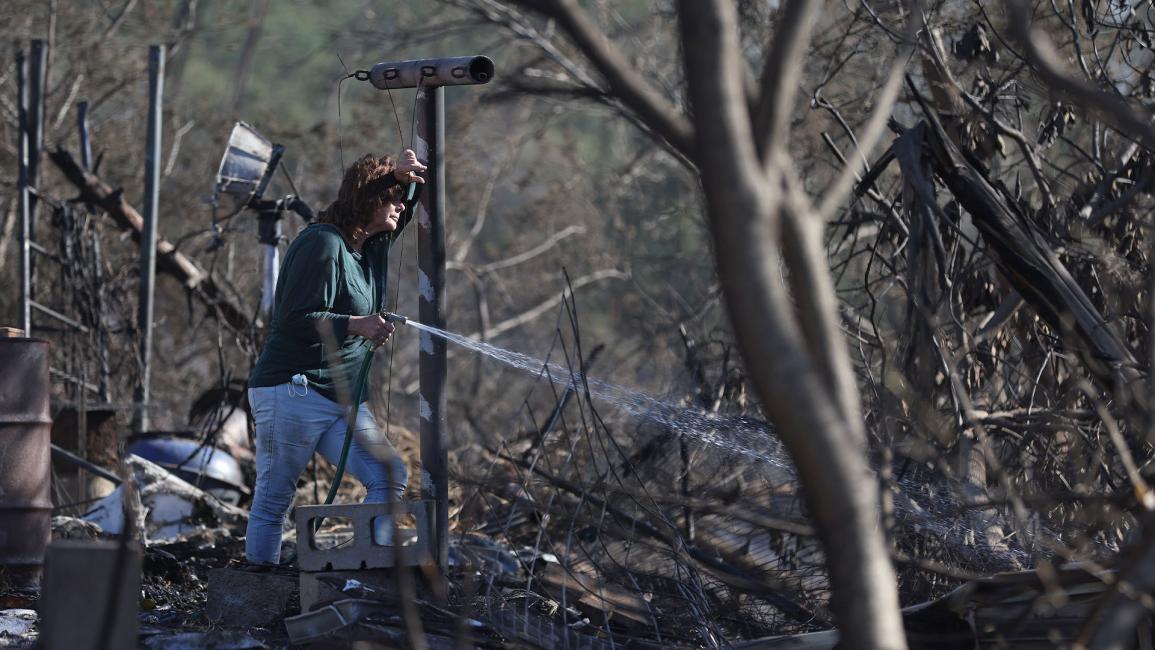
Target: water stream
(746,437)
(743,436)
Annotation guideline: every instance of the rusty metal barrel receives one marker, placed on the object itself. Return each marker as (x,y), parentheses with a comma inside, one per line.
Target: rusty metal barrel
(25,457)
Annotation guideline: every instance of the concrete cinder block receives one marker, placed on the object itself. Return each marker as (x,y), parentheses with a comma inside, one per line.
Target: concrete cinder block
(361,552)
(239,598)
(78,577)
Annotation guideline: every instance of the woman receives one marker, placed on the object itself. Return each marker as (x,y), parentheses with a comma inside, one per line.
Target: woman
(325,320)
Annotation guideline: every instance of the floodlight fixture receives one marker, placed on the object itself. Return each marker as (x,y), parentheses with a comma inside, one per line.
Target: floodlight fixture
(244,170)
(247,167)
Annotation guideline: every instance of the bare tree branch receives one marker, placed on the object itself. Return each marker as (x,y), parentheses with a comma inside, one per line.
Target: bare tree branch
(1049,64)
(781,73)
(623,79)
(525,256)
(876,125)
(544,306)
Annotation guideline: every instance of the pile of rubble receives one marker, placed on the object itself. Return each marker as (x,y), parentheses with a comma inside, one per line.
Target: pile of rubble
(186,532)
(185,589)
(191,592)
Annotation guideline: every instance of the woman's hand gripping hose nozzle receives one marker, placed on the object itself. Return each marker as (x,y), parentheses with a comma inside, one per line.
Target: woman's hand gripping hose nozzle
(390,317)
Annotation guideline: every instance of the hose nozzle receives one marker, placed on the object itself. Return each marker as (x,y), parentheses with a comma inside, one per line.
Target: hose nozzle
(395,318)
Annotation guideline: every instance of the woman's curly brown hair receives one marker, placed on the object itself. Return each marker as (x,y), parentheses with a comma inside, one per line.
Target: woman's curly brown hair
(368,184)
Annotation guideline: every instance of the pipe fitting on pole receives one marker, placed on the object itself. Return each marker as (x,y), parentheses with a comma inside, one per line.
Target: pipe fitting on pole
(450,71)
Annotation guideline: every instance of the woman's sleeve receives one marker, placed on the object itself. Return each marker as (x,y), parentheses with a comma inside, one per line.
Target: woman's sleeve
(407,213)
(311,282)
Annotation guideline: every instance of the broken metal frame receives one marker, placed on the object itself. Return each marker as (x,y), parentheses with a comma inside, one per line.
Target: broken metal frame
(31,109)
(30,144)
(429,77)
(30,137)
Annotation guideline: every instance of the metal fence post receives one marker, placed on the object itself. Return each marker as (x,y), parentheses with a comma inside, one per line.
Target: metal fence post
(105,370)
(37,65)
(149,235)
(22,191)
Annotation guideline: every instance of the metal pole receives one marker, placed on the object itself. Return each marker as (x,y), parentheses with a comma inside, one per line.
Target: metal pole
(95,470)
(101,332)
(38,64)
(101,335)
(430,147)
(148,236)
(430,76)
(22,191)
(268,290)
(85,141)
(269,233)
(82,431)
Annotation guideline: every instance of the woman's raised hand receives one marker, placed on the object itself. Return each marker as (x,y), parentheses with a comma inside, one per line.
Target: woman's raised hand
(408,168)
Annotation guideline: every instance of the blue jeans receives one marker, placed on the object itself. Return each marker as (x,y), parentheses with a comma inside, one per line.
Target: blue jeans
(292,423)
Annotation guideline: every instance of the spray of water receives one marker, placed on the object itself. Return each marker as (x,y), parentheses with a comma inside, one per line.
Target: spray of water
(745,437)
